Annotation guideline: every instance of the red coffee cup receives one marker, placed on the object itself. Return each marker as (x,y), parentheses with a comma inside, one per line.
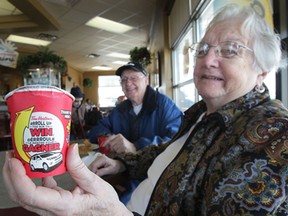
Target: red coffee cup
(40,128)
(101,140)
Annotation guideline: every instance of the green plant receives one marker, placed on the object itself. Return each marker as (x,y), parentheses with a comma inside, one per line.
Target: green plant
(87,82)
(44,58)
(140,55)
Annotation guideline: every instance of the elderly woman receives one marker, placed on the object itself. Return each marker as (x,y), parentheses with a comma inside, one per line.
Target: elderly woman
(229,158)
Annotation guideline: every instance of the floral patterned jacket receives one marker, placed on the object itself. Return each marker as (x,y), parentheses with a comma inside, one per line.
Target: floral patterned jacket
(235,162)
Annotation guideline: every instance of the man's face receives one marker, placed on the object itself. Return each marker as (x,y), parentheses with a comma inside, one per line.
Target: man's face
(134,85)
(77,102)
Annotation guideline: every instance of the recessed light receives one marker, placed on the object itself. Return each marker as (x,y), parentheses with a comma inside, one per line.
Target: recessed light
(119,55)
(108,25)
(27,40)
(102,67)
(119,62)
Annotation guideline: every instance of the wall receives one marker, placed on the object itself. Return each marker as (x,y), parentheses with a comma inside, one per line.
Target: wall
(284,34)
(73,78)
(281,25)
(159,47)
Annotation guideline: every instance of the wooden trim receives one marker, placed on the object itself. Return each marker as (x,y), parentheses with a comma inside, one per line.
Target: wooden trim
(34,18)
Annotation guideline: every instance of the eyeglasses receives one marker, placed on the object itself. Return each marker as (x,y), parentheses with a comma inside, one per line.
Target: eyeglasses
(226,49)
(131,78)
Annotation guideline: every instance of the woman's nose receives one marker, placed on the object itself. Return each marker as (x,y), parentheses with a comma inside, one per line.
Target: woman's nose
(212,57)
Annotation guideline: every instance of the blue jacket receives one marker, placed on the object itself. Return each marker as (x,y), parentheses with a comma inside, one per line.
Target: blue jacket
(157,122)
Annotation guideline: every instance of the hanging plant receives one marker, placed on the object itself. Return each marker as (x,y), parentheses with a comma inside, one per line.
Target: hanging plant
(44,58)
(87,82)
(140,55)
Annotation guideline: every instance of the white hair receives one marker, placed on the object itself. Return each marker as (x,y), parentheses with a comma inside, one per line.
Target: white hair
(265,43)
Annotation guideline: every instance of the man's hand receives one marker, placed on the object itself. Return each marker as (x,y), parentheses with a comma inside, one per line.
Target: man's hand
(119,144)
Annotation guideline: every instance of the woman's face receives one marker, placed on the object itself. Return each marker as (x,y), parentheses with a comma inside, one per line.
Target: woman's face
(220,80)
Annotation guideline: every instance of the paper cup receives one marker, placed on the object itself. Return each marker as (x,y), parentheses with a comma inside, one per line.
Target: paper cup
(40,119)
(102,149)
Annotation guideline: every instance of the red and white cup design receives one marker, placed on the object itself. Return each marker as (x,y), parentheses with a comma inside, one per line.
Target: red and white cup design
(40,120)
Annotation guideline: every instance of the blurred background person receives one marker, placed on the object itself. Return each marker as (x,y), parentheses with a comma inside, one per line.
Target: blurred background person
(78,115)
(92,117)
(88,104)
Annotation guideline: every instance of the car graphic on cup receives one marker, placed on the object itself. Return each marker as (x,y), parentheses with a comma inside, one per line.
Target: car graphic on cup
(46,161)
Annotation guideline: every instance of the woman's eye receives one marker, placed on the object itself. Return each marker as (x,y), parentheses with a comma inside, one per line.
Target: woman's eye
(228,51)
(202,52)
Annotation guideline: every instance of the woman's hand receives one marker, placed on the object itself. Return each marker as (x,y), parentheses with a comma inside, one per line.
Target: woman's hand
(91,196)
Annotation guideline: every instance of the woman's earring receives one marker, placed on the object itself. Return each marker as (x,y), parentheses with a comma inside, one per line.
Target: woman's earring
(260,89)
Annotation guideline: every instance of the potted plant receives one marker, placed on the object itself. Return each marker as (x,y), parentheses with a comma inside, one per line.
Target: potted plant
(42,67)
(140,55)
(87,82)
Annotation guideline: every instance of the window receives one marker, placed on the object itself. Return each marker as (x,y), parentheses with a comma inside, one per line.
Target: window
(185,95)
(184,90)
(184,59)
(270,82)
(183,63)
(109,89)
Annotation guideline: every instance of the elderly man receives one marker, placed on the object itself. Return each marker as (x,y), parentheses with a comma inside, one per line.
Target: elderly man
(147,117)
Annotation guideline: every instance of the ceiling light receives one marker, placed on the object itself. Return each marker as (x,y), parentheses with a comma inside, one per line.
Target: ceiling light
(27,40)
(102,67)
(119,62)
(119,55)
(108,25)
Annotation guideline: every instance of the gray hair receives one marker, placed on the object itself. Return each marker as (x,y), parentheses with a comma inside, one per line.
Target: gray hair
(266,44)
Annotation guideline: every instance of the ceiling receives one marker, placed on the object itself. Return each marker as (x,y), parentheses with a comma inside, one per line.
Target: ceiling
(66,20)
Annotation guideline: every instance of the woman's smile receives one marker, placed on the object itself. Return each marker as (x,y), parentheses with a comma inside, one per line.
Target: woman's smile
(211,77)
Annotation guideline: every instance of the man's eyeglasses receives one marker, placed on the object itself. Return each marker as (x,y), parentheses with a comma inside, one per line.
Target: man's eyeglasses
(226,49)
(131,78)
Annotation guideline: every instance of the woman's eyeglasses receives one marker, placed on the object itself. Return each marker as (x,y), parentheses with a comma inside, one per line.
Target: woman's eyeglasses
(224,49)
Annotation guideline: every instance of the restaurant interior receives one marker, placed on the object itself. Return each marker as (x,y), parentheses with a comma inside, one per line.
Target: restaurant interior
(92,50)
